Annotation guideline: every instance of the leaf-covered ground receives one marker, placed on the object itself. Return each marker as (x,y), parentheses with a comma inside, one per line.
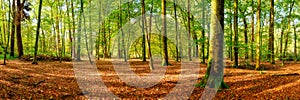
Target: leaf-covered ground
(54,80)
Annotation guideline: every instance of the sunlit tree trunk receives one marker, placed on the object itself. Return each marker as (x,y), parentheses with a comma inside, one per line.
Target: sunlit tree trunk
(258,13)
(216,58)
(164,34)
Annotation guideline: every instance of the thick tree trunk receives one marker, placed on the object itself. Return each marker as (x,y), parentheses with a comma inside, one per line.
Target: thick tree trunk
(18,26)
(271,34)
(215,66)
(164,35)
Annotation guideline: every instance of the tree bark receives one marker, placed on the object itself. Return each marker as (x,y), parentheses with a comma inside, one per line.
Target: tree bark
(258,13)
(37,33)
(235,48)
(271,33)
(164,35)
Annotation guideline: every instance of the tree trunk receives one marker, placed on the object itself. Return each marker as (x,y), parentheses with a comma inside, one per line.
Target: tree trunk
(216,60)
(203,32)
(18,26)
(287,33)
(271,34)
(295,44)
(148,37)
(258,13)
(189,30)
(37,33)
(143,29)
(13,29)
(176,30)
(79,30)
(164,35)
(235,48)
(252,32)
(5,52)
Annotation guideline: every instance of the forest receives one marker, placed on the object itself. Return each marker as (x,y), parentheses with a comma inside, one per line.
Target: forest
(149,49)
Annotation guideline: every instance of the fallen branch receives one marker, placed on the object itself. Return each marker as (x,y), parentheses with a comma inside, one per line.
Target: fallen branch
(286,74)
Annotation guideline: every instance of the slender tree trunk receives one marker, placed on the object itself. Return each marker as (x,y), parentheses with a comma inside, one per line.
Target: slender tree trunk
(73,30)
(176,30)
(9,14)
(258,13)
(189,30)
(37,33)
(246,35)
(236,49)
(203,32)
(70,28)
(149,36)
(287,33)
(252,32)
(13,29)
(295,44)
(164,35)
(271,34)
(85,33)
(143,29)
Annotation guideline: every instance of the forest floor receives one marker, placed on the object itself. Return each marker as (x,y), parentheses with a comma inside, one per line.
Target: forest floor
(54,80)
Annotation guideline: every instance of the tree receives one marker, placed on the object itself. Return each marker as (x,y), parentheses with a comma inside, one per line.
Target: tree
(143,29)
(236,39)
(271,33)
(37,33)
(18,26)
(5,52)
(13,29)
(258,36)
(189,30)
(176,30)
(164,35)
(216,57)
